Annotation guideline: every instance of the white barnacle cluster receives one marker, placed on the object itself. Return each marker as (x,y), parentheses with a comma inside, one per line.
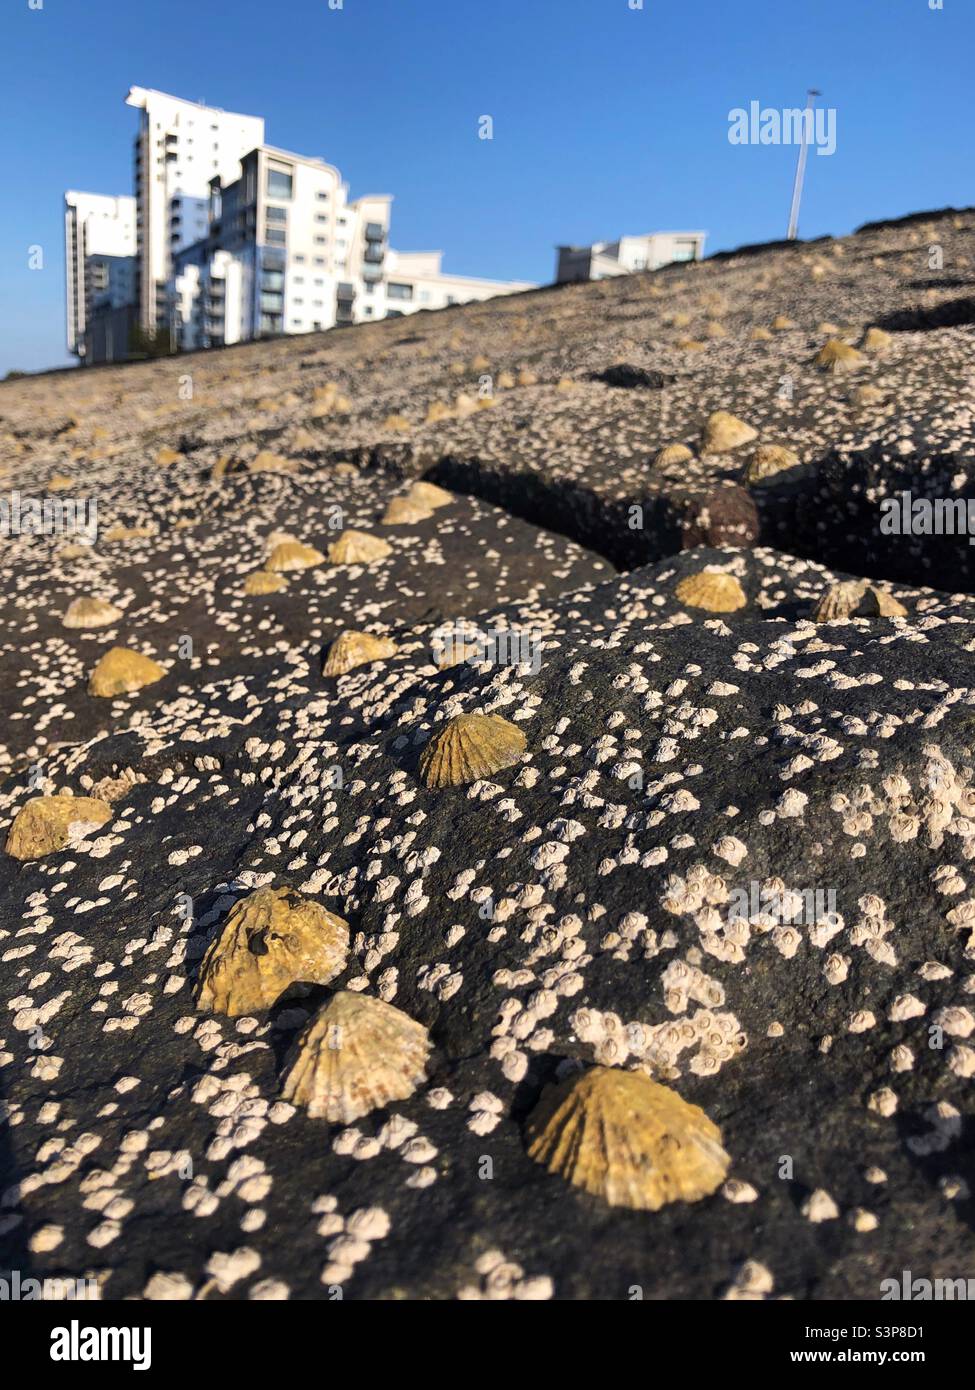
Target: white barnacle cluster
(502,1279)
(710,1038)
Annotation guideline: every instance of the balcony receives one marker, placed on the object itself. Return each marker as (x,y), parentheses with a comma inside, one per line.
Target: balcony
(375,231)
(373,255)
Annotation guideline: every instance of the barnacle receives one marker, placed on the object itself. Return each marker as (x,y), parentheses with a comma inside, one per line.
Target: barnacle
(272,939)
(429,495)
(357,1054)
(627,1139)
(468,747)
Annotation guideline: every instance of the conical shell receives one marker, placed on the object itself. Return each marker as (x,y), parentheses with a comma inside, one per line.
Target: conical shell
(782,323)
(725,431)
(403,511)
(91,612)
(839,601)
(44,823)
(120,672)
(272,939)
(468,747)
(356,1055)
(672,453)
(264,582)
(358,548)
(878,603)
(293,555)
(767,460)
(837,356)
(876,340)
(60,482)
(352,649)
(429,495)
(715,591)
(627,1139)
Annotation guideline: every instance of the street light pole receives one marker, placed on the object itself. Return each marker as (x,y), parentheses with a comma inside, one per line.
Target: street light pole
(811,96)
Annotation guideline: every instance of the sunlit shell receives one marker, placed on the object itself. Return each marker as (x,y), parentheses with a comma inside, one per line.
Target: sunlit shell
(690,345)
(782,323)
(45,823)
(429,495)
(118,532)
(264,582)
(837,356)
(121,671)
(397,422)
(351,649)
(839,601)
(672,453)
(91,612)
(468,747)
(438,410)
(622,1137)
(403,511)
(767,460)
(166,456)
(294,555)
(358,548)
(357,1054)
(725,431)
(867,395)
(272,939)
(760,335)
(878,603)
(876,340)
(60,482)
(713,590)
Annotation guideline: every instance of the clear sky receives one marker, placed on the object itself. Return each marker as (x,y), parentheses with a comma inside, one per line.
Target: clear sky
(607,119)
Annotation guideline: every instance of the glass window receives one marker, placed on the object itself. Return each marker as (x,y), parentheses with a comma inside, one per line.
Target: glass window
(395,291)
(277,214)
(278,235)
(279,183)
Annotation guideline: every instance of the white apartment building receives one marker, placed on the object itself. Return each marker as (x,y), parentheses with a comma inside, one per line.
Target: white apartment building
(99,259)
(287,251)
(631,253)
(181,146)
(415,281)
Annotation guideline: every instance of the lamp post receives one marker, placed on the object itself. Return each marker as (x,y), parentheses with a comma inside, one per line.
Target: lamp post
(793,231)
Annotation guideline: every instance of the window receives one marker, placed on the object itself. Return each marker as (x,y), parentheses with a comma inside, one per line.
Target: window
(320,217)
(279,182)
(320,241)
(322,197)
(277,214)
(395,291)
(319,260)
(298,301)
(300,260)
(299,279)
(273,280)
(277,235)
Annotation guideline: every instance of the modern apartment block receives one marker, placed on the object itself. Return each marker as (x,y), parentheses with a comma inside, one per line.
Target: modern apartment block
(235,239)
(631,253)
(99,259)
(180,147)
(285,251)
(288,252)
(415,281)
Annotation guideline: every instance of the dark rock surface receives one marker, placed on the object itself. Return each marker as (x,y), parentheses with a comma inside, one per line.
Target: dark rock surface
(693,780)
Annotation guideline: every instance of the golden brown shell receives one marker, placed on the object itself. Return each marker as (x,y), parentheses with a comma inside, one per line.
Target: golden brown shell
(272,939)
(352,649)
(121,671)
(357,1054)
(627,1139)
(358,548)
(468,747)
(44,823)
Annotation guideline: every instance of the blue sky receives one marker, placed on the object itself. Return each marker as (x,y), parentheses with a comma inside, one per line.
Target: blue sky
(607,119)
